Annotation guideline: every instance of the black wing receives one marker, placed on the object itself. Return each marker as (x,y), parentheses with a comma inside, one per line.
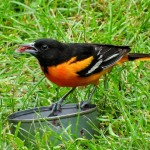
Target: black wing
(105,56)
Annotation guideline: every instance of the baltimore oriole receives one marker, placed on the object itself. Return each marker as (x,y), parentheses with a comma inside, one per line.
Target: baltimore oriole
(77,64)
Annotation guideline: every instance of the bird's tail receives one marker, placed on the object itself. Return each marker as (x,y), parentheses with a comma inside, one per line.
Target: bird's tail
(134,57)
(138,56)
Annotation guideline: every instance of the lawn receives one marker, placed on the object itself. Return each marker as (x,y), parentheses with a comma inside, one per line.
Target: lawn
(123,96)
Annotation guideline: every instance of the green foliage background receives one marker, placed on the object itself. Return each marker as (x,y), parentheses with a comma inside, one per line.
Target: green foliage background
(122,99)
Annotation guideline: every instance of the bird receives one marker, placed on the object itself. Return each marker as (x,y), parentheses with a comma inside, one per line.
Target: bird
(77,64)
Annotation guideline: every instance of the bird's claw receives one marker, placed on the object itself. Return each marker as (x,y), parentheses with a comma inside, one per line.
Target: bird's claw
(54,109)
(58,106)
(84,104)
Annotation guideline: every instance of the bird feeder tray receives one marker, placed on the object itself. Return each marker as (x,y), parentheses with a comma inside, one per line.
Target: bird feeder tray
(71,121)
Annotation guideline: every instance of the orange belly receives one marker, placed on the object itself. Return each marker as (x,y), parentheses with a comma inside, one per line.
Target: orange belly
(65,74)
(65,79)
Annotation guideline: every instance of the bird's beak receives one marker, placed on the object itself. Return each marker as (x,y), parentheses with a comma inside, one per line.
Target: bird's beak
(29,48)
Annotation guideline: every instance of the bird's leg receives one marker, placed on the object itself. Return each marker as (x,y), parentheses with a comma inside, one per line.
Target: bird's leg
(105,88)
(85,103)
(62,98)
(56,106)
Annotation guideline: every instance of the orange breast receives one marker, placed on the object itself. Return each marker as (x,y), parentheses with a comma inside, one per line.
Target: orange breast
(66,75)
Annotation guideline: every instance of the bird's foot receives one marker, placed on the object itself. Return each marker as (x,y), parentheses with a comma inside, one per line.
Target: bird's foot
(85,104)
(55,109)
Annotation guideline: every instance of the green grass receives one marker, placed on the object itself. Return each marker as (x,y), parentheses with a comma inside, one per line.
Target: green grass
(123,99)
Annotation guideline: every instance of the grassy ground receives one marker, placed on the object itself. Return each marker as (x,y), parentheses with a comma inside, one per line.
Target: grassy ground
(123,100)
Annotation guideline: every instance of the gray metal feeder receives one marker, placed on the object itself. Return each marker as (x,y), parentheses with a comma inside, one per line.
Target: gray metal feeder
(70,122)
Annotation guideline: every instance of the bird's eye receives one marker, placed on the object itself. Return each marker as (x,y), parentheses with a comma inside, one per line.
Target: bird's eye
(44,47)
